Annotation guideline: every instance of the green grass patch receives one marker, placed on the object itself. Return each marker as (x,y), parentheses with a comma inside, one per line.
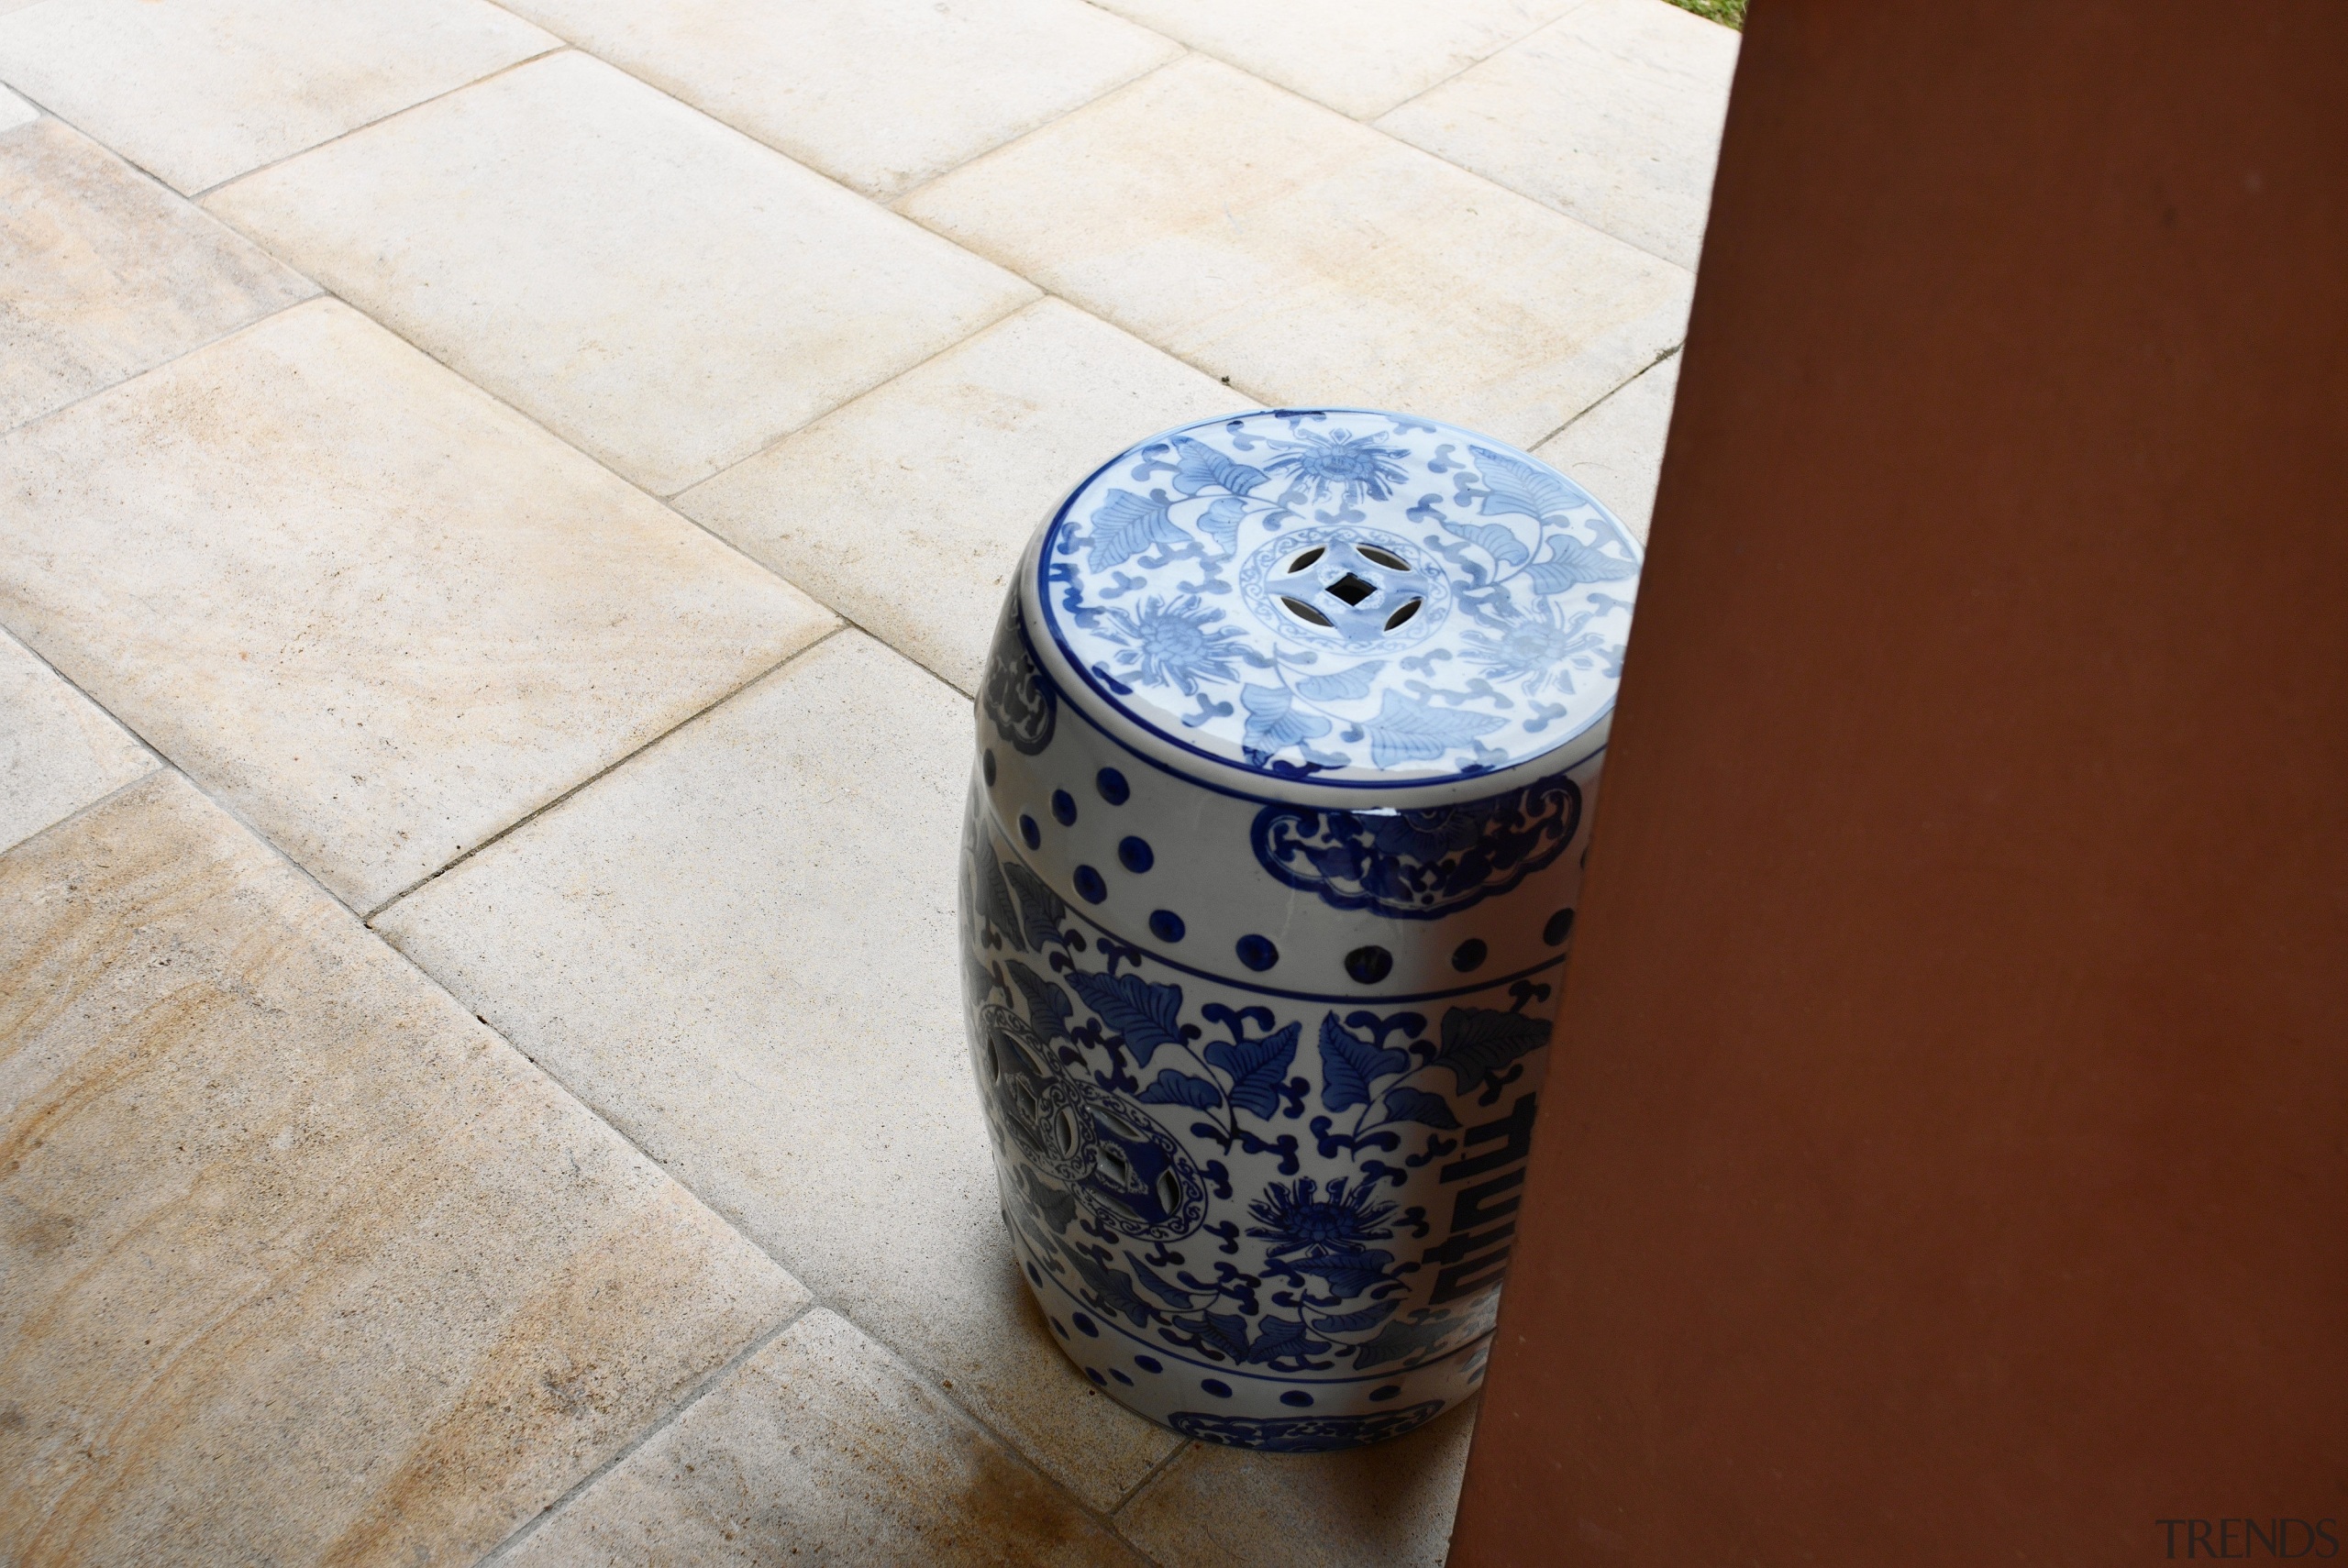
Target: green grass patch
(1727,13)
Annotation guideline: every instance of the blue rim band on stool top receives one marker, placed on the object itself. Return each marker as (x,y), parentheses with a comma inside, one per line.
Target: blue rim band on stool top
(1260,1033)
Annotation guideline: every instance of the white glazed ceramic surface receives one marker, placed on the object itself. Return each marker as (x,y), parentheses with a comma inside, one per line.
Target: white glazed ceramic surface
(1268,879)
(1339,596)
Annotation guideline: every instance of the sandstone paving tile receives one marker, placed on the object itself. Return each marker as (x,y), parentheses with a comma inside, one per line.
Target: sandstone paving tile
(740,948)
(379,614)
(59,751)
(298,1261)
(879,94)
(201,91)
(1611,114)
(821,1448)
(104,274)
(661,290)
(1390,1505)
(906,510)
(13,111)
(1615,450)
(1359,57)
(1312,260)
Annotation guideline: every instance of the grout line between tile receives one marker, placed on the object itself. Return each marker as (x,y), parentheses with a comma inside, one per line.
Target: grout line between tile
(759,1342)
(895,204)
(272,848)
(891,206)
(554,49)
(524,1532)
(668,500)
(1600,400)
(24,642)
(1556,20)
(170,764)
(160,364)
(937,1383)
(665,501)
(1494,53)
(181,199)
(196,197)
(1157,1470)
(518,823)
(998,323)
(692,1396)
(914,1370)
(83,810)
(368,914)
(589,49)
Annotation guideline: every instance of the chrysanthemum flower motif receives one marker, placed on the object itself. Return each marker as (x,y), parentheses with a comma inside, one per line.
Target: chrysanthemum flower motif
(1401,601)
(1297,1222)
(1353,467)
(1534,649)
(1171,645)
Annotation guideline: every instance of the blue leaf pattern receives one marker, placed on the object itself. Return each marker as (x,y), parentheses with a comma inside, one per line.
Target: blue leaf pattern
(1349,1065)
(1400,1340)
(1300,568)
(1055,1206)
(1108,1167)
(1174,1087)
(1407,730)
(1479,1042)
(1518,487)
(1570,562)
(1221,520)
(1224,1333)
(1258,1069)
(1147,1015)
(1113,1285)
(1273,720)
(1173,1296)
(1368,1317)
(994,897)
(1040,909)
(1125,525)
(1342,685)
(1348,1273)
(1283,1337)
(1047,1005)
(1200,467)
(1501,544)
(1406,1104)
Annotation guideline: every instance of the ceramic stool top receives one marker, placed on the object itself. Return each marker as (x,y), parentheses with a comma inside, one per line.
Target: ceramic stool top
(1339,598)
(1287,748)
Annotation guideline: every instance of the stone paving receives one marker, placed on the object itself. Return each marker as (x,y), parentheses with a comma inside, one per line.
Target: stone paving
(501,510)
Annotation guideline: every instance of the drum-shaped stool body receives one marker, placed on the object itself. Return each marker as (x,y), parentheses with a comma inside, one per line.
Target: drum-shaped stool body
(1288,747)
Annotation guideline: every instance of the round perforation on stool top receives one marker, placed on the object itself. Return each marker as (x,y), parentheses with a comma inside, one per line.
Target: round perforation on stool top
(1359,590)
(1346,587)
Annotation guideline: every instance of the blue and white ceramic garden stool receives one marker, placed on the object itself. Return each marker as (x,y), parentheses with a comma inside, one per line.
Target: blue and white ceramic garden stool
(1287,752)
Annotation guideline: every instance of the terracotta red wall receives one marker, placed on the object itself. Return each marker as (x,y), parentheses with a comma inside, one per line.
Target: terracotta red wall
(1945,1158)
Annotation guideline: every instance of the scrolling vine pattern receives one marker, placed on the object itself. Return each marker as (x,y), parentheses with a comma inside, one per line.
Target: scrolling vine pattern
(1015,695)
(1159,1140)
(1494,630)
(1420,864)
